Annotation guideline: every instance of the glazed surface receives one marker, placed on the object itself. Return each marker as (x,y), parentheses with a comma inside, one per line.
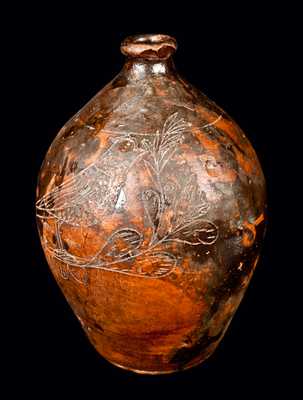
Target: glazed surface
(151,213)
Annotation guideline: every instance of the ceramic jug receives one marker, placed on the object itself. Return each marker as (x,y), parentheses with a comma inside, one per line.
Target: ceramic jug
(151,211)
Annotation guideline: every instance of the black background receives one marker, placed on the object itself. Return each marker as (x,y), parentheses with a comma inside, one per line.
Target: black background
(242,59)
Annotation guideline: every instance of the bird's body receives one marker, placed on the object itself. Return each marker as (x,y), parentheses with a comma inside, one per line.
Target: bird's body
(82,199)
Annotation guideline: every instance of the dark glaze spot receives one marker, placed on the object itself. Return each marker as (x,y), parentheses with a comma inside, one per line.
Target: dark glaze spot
(197,253)
(224,140)
(119,81)
(187,341)
(65,245)
(233,279)
(173,277)
(94,120)
(186,354)
(229,147)
(98,327)
(69,132)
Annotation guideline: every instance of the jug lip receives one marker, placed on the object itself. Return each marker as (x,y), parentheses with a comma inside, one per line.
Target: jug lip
(153,46)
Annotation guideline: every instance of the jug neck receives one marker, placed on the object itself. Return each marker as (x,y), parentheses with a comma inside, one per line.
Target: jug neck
(137,69)
(148,55)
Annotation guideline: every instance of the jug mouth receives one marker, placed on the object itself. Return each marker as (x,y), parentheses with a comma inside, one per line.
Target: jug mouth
(153,46)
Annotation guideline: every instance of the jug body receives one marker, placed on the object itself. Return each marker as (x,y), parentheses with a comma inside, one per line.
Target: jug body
(151,212)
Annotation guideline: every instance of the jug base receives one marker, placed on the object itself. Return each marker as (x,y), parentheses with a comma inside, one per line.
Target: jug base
(165,372)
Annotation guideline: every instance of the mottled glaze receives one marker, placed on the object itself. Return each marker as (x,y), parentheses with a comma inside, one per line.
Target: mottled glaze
(150,208)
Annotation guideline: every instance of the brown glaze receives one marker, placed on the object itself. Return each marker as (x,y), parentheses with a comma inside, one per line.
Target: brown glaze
(150,208)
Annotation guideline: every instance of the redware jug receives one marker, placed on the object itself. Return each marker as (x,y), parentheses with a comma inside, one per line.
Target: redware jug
(150,209)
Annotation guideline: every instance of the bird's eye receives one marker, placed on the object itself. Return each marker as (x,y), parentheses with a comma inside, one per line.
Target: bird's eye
(126,145)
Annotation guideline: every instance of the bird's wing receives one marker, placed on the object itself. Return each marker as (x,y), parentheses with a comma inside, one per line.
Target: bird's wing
(73,192)
(97,184)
